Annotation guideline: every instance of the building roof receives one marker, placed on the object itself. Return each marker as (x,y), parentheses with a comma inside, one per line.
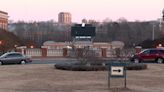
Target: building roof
(3,12)
(64,13)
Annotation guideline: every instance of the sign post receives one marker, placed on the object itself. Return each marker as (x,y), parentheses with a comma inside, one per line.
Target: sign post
(117,70)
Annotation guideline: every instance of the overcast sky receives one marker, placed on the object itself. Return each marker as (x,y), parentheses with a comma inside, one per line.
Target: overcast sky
(43,10)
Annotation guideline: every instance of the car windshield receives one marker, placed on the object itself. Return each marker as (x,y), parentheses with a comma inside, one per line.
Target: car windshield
(12,55)
(143,51)
(3,55)
(161,51)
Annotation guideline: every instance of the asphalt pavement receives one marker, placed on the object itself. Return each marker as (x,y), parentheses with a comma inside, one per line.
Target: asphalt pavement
(51,60)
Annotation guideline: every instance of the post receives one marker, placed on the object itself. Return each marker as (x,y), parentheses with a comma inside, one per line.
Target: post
(109,76)
(162,22)
(163,14)
(153,32)
(44,52)
(104,51)
(125,75)
(65,52)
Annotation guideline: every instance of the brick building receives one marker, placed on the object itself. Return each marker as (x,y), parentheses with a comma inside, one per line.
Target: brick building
(3,20)
(64,18)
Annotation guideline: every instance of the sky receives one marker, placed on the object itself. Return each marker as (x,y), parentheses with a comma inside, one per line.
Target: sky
(99,10)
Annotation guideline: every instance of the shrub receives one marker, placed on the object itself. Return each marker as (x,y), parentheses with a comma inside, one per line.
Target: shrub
(134,66)
(95,67)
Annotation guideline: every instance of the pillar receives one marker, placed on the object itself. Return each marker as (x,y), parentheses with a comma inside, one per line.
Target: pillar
(65,52)
(138,49)
(104,52)
(44,52)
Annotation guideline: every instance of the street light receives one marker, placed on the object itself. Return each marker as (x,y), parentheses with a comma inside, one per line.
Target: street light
(153,32)
(15,45)
(31,46)
(160,24)
(163,14)
(153,29)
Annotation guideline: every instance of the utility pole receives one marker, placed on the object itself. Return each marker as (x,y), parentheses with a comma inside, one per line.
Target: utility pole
(162,22)
(163,14)
(153,32)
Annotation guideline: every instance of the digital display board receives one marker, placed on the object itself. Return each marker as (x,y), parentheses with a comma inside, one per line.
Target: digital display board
(87,30)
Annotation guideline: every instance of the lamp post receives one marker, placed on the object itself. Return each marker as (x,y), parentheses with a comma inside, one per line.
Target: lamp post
(163,14)
(162,23)
(153,29)
(153,32)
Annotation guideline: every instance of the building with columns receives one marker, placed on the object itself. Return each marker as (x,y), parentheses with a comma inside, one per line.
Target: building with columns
(64,18)
(3,20)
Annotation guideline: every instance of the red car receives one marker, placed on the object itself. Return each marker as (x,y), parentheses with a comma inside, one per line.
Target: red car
(153,54)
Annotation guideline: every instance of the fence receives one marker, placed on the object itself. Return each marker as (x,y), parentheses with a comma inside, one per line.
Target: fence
(43,52)
(33,52)
(54,53)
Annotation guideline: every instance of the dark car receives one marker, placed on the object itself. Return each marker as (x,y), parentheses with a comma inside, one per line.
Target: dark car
(153,54)
(14,58)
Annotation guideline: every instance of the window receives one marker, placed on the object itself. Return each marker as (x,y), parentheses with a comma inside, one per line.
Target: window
(13,55)
(153,51)
(10,55)
(161,51)
(146,52)
(18,55)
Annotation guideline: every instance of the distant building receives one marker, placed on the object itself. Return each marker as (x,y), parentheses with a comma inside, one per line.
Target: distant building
(3,20)
(84,21)
(90,21)
(64,18)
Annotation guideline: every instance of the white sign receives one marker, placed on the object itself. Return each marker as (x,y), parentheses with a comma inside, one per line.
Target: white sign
(83,37)
(117,70)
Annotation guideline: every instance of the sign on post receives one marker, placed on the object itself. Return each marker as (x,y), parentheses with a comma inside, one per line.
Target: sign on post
(117,70)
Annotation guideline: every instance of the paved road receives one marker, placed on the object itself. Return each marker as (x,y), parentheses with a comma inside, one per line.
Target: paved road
(52,60)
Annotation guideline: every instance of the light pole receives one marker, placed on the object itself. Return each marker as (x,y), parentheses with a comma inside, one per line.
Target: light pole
(153,32)
(163,15)
(162,23)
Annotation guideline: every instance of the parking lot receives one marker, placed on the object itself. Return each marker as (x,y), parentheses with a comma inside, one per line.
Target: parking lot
(44,78)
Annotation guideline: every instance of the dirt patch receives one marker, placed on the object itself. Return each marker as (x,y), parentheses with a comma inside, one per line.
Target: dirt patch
(44,78)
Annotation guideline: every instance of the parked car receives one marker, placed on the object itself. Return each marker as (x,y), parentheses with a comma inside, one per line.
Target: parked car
(14,58)
(153,54)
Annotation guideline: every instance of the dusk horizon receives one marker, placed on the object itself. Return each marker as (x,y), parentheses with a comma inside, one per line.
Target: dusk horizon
(136,10)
